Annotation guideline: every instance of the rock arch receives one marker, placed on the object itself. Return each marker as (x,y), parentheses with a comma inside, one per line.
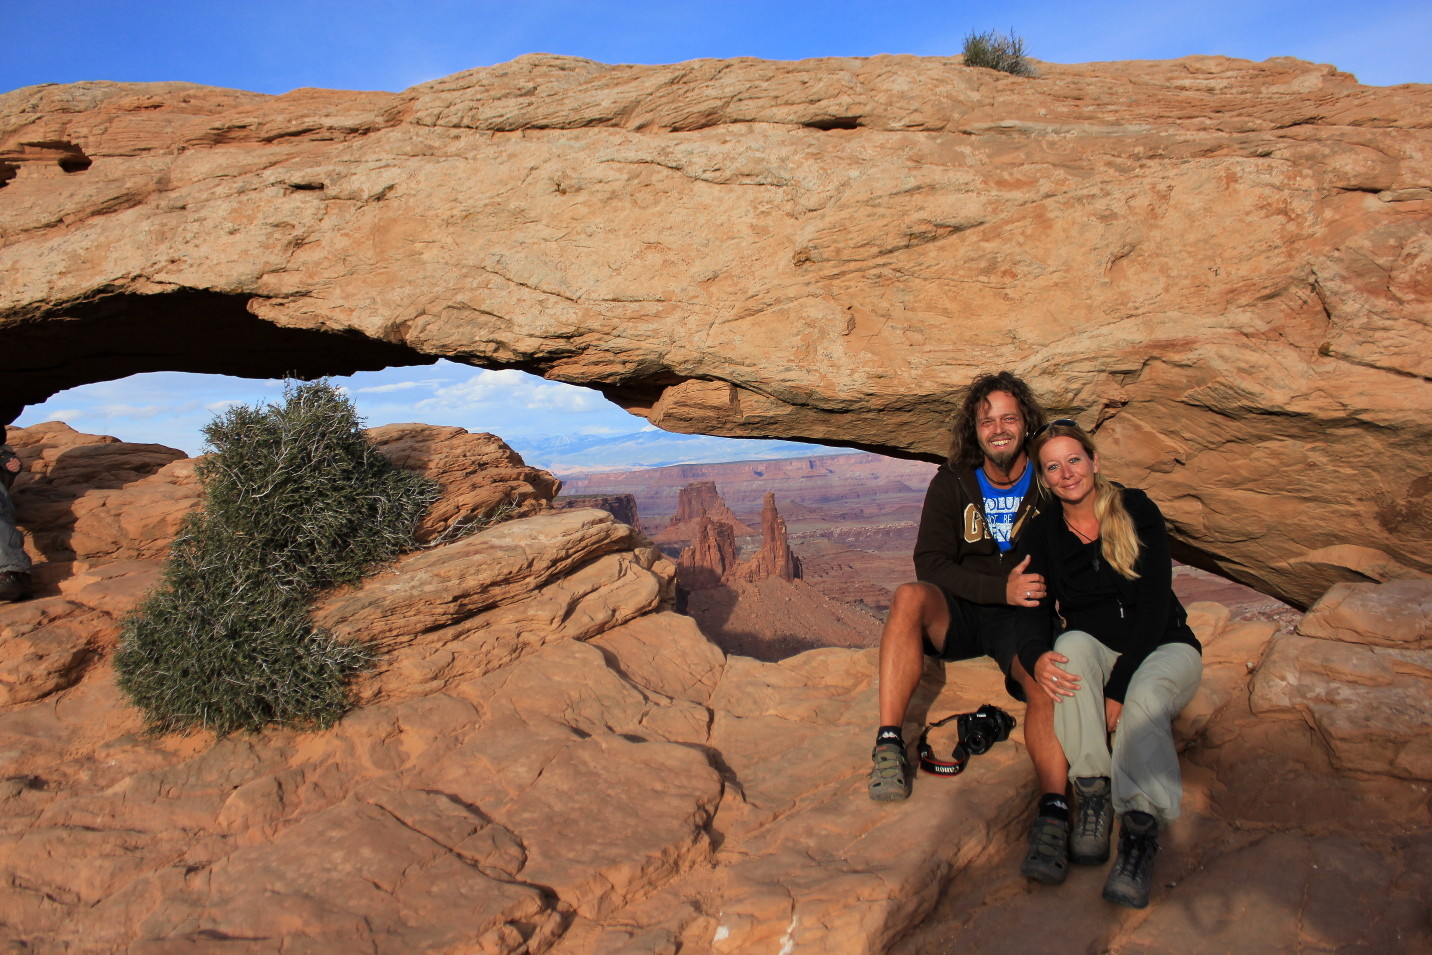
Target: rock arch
(189,330)
(1222,265)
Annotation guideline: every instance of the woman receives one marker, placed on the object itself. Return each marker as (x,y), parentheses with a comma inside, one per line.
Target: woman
(1127,662)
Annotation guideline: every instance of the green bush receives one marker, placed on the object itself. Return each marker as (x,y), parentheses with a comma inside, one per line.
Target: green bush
(997,51)
(295,499)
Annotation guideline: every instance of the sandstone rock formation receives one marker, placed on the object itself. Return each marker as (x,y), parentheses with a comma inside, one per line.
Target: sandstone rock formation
(884,485)
(480,477)
(759,607)
(84,497)
(621,506)
(1223,265)
(852,517)
(694,501)
(548,761)
(1358,677)
(775,558)
(709,559)
(1396,614)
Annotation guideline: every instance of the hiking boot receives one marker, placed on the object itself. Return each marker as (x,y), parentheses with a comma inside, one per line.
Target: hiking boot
(1047,860)
(1089,842)
(1133,873)
(890,773)
(14,585)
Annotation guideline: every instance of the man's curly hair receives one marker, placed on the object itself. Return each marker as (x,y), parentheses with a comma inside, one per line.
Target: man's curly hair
(965,447)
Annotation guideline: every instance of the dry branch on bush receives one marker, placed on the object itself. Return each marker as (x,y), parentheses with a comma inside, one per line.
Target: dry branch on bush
(295,499)
(998,51)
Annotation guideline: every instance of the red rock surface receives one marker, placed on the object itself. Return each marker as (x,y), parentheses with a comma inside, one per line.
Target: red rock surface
(1222,265)
(621,506)
(774,559)
(548,761)
(771,618)
(710,558)
(480,476)
(694,501)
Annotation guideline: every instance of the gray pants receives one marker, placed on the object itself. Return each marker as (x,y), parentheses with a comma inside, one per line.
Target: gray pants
(12,545)
(1144,764)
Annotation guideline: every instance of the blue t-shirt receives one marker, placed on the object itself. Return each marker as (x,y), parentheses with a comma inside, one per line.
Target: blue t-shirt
(1001,504)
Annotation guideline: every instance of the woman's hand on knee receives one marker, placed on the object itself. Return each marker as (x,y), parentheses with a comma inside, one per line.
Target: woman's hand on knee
(1113,709)
(1055,681)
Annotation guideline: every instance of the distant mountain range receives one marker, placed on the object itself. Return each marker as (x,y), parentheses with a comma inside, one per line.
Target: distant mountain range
(566,454)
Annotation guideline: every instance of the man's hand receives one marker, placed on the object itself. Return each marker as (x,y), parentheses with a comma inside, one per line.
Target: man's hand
(9,467)
(1055,681)
(1022,589)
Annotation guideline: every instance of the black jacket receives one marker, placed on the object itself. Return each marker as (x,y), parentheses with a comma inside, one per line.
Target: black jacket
(1131,617)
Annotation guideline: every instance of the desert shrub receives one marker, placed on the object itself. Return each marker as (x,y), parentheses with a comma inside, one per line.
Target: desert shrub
(997,51)
(295,499)
(501,512)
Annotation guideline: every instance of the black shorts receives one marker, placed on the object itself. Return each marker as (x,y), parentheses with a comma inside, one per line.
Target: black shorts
(991,630)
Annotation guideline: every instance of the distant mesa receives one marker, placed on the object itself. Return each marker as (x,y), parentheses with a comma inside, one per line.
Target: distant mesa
(851,518)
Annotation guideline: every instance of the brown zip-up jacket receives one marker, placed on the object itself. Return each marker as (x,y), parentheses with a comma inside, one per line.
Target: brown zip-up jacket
(954,547)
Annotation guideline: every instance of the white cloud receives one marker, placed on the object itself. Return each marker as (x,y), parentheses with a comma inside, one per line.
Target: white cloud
(429,383)
(510,389)
(111,412)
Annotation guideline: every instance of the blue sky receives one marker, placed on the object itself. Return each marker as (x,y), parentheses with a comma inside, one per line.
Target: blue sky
(273,47)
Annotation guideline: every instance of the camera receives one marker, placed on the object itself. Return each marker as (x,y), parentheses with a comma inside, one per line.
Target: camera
(983,728)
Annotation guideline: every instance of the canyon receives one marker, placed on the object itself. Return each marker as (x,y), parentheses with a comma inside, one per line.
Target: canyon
(850,518)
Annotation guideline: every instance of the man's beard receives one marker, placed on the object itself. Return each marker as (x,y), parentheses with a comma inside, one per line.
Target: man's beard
(1004,459)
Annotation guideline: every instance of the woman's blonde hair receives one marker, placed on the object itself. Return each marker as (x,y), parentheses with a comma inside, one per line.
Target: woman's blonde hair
(1118,541)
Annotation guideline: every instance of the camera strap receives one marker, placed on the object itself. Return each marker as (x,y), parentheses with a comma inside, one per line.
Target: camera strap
(958,759)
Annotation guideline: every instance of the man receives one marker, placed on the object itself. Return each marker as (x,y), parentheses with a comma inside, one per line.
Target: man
(14,562)
(974,599)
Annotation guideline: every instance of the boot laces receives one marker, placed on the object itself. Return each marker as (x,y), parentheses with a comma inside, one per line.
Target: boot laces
(1136,853)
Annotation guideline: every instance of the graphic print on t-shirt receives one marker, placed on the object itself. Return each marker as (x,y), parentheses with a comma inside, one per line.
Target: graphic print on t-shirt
(1001,504)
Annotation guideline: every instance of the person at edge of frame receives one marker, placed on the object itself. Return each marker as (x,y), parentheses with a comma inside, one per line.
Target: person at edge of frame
(14,562)
(974,597)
